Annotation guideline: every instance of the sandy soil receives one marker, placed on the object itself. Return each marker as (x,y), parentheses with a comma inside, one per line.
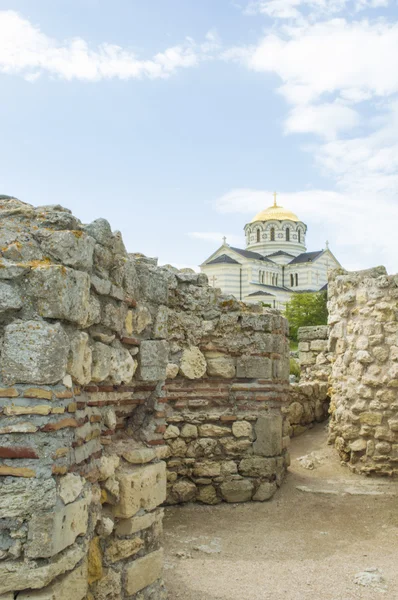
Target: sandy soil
(322,528)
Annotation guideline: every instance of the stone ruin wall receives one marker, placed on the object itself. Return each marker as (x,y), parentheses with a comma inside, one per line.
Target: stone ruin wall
(109,368)
(309,397)
(363,315)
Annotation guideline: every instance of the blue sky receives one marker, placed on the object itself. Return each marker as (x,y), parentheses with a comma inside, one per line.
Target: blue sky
(176,119)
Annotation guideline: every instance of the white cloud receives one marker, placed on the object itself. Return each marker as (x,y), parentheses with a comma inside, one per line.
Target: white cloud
(294,9)
(25,50)
(216,237)
(323,119)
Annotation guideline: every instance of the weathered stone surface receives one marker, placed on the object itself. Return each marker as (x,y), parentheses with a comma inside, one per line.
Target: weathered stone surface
(9,298)
(184,491)
(141,487)
(239,490)
(220,365)
(50,533)
(142,318)
(153,360)
(172,371)
(114,315)
(101,362)
(109,587)
(139,523)
(193,363)
(139,456)
(210,430)
(242,429)
(80,358)
(73,585)
(71,248)
(15,575)
(123,366)
(265,491)
(257,466)
(189,431)
(70,487)
(143,571)
(207,469)
(121,549)
(61,293)
(34,352)
(21,497)
(208,495)
(268,430)
(251,367)
(101,231)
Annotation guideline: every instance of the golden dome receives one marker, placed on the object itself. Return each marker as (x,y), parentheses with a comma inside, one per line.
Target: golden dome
(277,213)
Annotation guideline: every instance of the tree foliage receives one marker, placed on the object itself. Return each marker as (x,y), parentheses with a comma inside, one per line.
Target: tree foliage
(305,310)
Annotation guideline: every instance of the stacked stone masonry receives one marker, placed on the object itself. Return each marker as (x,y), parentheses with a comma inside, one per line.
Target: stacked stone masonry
(309,398)
(363,317)
(111,369)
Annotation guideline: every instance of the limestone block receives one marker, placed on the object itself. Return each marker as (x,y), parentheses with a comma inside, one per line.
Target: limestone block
(52,532)
(34,352)
(296,412)
(171,432)
(189,431)
(172,371)
(154,284)
(210,430)
(242,429)
(253,367)
(160,328)
(23,497)
(80,358)
(235,447)
(319,332)
(9,298)
(220,365)
(121,549)
(71,248)
(70,487)
(265,491)
(101,362)
(303,346)
(319,345)
(123,365)
(143,571)
(208,495)
(94,311)
(193,363)
(207,469)
(73,585)
(15,576)
(139,456)
(101,286)
(109,587)
(268,429)
(107,466)
(141,487)
(257,466)
(239,490)
(139,523)
(142,318)
(114,315)
(228,467)
(184,491)
(153,360)
(61,293)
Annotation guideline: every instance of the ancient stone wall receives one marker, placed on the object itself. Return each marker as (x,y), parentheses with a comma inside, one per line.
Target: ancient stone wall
(309,398)
(364,337)
(109,365)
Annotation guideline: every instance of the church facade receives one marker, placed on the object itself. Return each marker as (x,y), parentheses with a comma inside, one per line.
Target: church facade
(275,263)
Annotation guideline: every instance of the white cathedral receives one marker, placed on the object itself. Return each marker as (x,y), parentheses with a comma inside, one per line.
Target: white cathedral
(275,263)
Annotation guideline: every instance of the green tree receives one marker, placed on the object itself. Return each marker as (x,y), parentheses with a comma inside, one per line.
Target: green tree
(305,310)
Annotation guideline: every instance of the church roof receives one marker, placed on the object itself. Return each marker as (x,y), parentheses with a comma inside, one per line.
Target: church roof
(250,254)
(260,293)
(280,253)
(224,258)
(275,213)
(306,257)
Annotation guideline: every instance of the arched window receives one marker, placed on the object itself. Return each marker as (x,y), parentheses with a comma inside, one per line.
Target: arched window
(258,235)
(299,236)
(288,234)
(291,280)
(296,279)
(272,234)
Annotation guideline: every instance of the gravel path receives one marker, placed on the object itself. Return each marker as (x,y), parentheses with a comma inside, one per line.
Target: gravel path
(326,535)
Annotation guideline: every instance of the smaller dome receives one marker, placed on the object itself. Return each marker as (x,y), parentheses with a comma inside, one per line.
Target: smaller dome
(275,213)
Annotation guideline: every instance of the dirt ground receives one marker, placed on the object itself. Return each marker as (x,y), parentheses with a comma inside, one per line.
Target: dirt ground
(326,535)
